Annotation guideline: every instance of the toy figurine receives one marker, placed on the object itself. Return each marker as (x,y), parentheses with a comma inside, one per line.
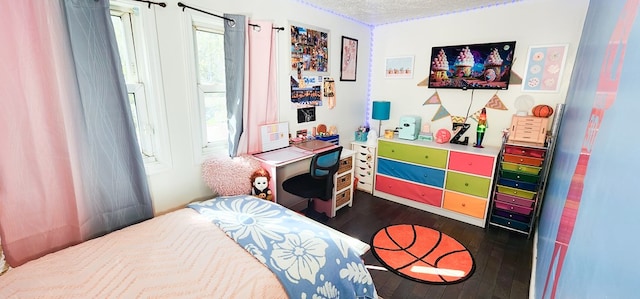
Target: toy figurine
(481,128)
(260,184)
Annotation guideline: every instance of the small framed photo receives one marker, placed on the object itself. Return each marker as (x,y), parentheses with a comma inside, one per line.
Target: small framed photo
(349,59)
(399,67)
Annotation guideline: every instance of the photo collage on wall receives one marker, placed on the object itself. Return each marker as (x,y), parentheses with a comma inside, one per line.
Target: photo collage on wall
(309,61)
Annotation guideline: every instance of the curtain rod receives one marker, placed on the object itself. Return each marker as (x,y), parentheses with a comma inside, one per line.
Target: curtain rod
(184,6)
(162,4)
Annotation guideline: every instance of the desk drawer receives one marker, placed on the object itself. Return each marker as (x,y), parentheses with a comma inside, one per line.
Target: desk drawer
(345,165)
(343,181)
(343,197)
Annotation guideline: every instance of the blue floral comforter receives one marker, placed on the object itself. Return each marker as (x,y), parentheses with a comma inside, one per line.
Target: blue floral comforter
(310,260)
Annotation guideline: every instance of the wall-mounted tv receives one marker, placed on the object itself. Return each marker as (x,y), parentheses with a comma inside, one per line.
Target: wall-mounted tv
(472,66)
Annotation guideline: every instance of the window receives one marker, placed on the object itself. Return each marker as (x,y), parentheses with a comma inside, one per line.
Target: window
(135,35)
(208,105)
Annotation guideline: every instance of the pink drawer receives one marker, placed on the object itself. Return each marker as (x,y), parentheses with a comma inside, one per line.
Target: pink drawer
(513,208)
(470,163)
(523,202)
(408,190)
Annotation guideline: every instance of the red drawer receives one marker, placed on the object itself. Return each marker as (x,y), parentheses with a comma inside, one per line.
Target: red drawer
(471,163)
(408,190)
(523,202)
(524,151)
(513,208)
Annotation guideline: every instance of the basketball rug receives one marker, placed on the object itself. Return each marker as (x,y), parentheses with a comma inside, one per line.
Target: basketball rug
(422,254)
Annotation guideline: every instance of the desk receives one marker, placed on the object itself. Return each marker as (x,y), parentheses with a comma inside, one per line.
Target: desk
(290,161)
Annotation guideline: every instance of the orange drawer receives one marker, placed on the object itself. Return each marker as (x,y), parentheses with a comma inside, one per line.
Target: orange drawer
(470,163)
(464,204)
(522,160)
(408,190)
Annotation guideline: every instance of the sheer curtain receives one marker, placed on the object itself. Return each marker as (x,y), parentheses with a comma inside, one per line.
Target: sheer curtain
(70,167)
(251,83)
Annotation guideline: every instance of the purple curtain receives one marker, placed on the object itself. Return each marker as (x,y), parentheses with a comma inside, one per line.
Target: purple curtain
(70,167)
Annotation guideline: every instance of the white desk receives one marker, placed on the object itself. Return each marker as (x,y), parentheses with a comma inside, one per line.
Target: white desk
(290,161)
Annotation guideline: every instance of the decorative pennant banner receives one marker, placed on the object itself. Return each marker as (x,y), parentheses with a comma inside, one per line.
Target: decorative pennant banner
(433,99)
(496,103)
(458,119)
(441,113)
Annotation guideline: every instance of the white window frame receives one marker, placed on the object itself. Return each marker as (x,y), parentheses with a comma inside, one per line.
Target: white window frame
(202,150)
(148,92)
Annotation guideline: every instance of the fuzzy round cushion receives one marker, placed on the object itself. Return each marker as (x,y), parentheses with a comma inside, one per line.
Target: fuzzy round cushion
(227,176)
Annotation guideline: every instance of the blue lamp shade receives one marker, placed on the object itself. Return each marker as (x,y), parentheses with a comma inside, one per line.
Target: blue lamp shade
(381,110)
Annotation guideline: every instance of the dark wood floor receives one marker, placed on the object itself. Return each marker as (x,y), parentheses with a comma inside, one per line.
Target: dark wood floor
(503,258)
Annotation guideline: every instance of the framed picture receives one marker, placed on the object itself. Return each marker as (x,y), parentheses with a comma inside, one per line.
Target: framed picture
(545,65)
(349,59)
(399,67)
(309,49)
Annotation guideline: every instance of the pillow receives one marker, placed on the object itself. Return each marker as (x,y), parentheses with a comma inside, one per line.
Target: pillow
(227,176)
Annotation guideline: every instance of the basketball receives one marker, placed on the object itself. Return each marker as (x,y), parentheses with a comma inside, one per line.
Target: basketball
(542,111)
(422,254)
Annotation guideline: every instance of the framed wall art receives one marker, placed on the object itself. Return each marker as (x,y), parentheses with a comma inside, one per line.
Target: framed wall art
(349,59)
(545,65)
(399,67)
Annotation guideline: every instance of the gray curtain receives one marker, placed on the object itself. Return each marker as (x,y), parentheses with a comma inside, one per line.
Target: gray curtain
(114,179)
(234,52)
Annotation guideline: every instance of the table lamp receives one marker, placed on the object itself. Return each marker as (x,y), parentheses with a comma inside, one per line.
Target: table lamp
(380,112)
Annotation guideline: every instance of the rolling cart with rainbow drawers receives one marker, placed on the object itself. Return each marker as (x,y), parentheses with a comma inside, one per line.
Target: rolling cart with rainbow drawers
(519,187)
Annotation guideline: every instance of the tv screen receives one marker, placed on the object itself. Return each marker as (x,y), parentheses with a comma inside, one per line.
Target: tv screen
(473,66)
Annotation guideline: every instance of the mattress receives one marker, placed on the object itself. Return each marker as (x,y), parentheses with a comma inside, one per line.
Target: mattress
(177,255)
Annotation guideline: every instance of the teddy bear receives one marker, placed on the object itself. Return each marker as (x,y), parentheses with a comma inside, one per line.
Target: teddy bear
(260,184)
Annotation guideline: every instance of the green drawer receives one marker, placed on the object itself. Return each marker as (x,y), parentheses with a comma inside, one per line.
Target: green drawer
(464,183)
(516,192)
(519,176)
(521,168)
(412,153)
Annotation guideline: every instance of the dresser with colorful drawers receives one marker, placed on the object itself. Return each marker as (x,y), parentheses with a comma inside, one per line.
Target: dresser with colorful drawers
(518,187)
(451,180)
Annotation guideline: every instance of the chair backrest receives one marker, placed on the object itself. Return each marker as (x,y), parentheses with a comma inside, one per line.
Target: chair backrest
(323,166)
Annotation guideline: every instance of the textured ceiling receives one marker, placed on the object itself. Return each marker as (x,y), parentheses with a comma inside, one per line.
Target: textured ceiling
(379,12)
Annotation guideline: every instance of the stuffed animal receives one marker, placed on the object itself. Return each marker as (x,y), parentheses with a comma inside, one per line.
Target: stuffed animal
(260,184)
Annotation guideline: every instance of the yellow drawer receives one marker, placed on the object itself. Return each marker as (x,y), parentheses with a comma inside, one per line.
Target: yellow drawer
(464,204)
(521,168)
(516,192)
(343,181)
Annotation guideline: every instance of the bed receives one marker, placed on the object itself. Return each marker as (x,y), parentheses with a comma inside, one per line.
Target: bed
(227,247)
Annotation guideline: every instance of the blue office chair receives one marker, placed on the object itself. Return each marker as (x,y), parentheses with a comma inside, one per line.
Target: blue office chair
(318,182)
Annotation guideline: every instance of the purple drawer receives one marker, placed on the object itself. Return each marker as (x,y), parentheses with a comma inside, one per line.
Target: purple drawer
(513,208)
(523,202)
(509,215)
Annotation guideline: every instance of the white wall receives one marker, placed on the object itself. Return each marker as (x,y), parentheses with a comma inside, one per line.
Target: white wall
(182,182)
(529,23)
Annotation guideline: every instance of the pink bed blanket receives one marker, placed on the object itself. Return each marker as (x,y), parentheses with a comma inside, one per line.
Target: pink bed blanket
(177,255)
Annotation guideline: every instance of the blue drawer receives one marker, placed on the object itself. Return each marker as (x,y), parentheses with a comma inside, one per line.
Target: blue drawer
(518,184)
(517,225)
(410,172)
